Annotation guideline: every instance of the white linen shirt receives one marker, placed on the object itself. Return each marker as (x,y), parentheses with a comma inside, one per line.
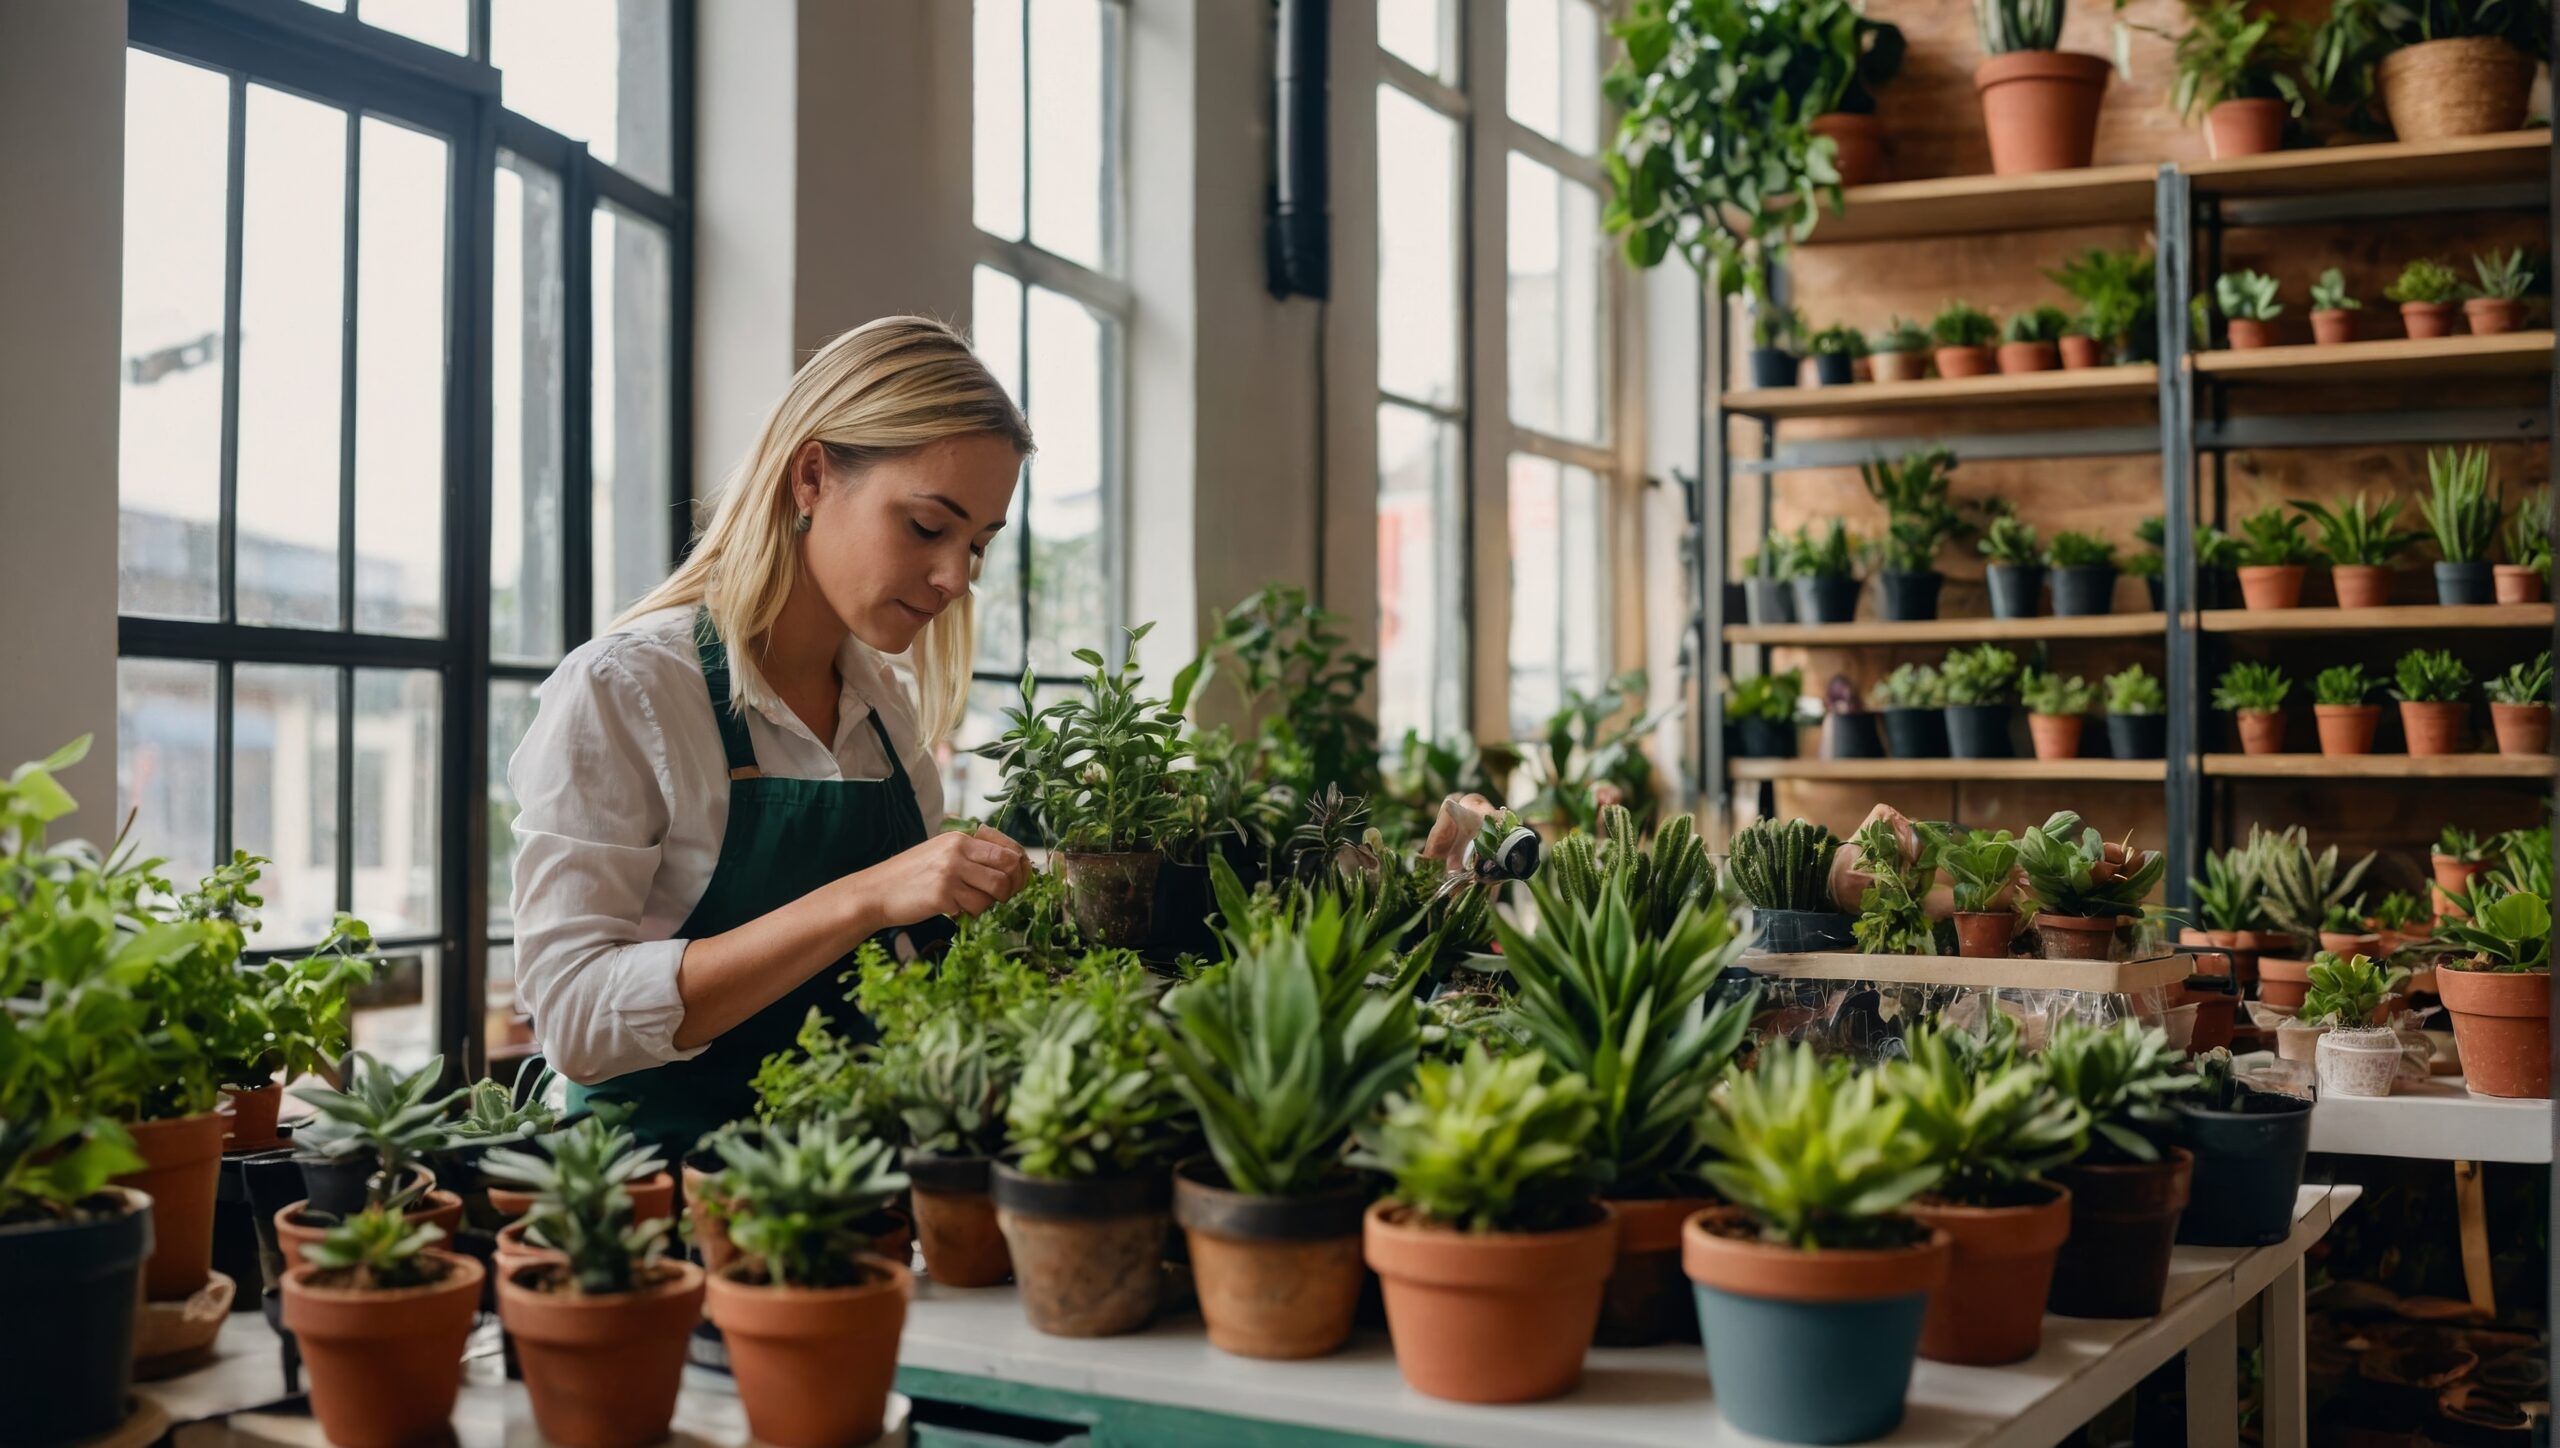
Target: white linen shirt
(622,792)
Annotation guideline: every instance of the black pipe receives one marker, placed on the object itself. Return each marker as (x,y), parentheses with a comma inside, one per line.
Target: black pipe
(1298,233)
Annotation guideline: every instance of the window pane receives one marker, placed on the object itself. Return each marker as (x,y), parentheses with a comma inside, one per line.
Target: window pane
(400,380)
(1579,571)
(394,819)
(503,1025)
(164,765)
(511,707)
(1417,32)
(1420,521)
(634,516)
(1552,81)
(996,312)
(1075,58)
(967,780)
(445,24)
(1418,250)
(1557,374)
(177,128)
(1071,352)
(1556,590)
(995,105)
(292,326)
(595,71)
(394,1021)
(284,793)
(526,413)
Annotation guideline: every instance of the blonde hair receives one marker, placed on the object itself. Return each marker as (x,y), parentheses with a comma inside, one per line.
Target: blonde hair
(883,389)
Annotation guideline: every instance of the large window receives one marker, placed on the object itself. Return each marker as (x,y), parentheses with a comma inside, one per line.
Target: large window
(402,422)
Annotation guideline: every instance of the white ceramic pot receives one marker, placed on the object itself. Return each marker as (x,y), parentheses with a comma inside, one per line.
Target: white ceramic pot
(2359,1063)
(2298,1043)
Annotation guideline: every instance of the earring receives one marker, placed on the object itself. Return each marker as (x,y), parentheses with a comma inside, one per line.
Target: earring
(800,524)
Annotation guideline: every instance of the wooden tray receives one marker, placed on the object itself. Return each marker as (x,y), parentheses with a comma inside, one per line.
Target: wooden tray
(2112,977)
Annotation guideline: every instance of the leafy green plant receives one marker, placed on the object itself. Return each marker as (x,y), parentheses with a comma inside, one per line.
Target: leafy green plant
(378,1250)
(2343,686)
(2346,918)
(1095,1097)
(1900,335)
(2228,54)
(1815,1154)
(1286,652)
(2431,676)
(950,1083)
(1833,553)
(2038,324)
(1229,797)
(1094,770)
(2527,683)
(2529,532)
(2124,1078)
(2227,897)
(1982,1110)
(1783,865)
(2012,541)
(1979,864)
(2296,888)
(1911,686)
(2397,909)
(1839,340)
(2346,991)
(2215,548)
(1774,324)
(1774,697)
(2136,691)
(1782,556)
(2247,296)
(802,1201)
(389,1116)
(288,1015)
(2116,291)
(1919,518)
(2272,538)
(2504,276)
(2505,931)
(1487,1144)
(2463,502)
(2085,877)
(2053,695)
(2352,534)
(2457,843)
(1983,674)
(2425,280)
(2329,294)
(1961,324)
(582,1205)
(2251,687)
(2357,34)
(1892,916)
(825,1077)
(2080,550)
(1591,740)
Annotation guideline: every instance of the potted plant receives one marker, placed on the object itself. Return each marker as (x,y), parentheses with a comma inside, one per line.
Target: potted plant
(2296,891)
(2333,310)
(1872,56)
(1982,872)
(2274,558)
(381,1318)
(1849,729)
(1767,595)
(1899,353)
(2128,1189)
(290,1019)
(1990,1116)
(2391,921)
(2084,575)
(2217,557)
(2115,290)
(2341,704)
(810,1315)
(601,1332)
(1914,700)
(2528,567)
(2083,887)
(2348,990)
(2137,721)
(1919,519)
(1764,710)
(1836,352)
(2425,290)
(2238,69)
(1776,331)
(2249,308)
(1818,1258)
(1782,869)
(2255,694)
(2227,913)
(2498,991)
(2431,685)
(1963,334)
(2520,707)
(2039,102)
(366,1147)
(952,1079)
(2495,303)
(2248,1147)
(2443,70)
(1893,917)
(2032,340)
(2458,858)
(1826,577)
(2015,571)
(2346,930)
(1982,690)
(2057,711)
(2462,506)
(1491,1249)
(2361,544)
(1627,1007)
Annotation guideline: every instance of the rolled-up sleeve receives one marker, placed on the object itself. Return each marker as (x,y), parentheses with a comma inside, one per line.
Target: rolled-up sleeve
(593,798)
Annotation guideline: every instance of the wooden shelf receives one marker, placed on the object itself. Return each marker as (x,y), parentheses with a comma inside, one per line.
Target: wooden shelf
(2509,156)
(2140,771)
(2117,977)
(1953,630)
(2139,382)
(2508,354)
(2370,620)
(1970,205)
(2434,1120)
(2379,766)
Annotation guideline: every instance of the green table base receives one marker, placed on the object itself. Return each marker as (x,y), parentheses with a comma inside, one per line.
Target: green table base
(1105,1422)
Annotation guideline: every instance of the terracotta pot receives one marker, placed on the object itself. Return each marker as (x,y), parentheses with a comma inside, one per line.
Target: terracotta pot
(1900,366)
(2502,1025)
(2248,335)
(181,1168)
(1990,1310)
(1647,1299)
(710,1234)
(2489,316)
(2427,319)
(2361,585)
(253,1117)
(2434,729)
(1490,1317)
(2040,108)
(384,1366)
(2440,89)
(1278,1277)
(2516,582)
(2217,1014)
(602,1371)
(1862,369)
(2244,128)
(441,1209)
(2347,728)
(2076,937)
(2282,983)
(1985,934)
(2452,878)
(2332,326)
(1089,1255)
(2124,1218)
(1113,895)
(2018,357)
(2261,730)
(2522,728)
(1963,361)
(510,1202)
(813,1364)
(653,1197)
(2079,354)
(2268,585)
(956,1221)
(1860,146)
(2057,736)
(516,1249)
(2342,944)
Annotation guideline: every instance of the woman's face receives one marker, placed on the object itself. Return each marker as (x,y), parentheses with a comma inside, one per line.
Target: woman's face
(896,544)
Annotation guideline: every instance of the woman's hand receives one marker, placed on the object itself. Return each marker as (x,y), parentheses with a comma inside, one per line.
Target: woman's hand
(950,874)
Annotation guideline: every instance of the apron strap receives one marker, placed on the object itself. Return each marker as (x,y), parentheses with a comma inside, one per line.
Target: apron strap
(734,742)
(897,767)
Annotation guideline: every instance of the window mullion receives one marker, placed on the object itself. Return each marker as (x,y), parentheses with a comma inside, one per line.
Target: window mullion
(1022,350)
(347,379)
(227,510)
(577,403)
(222,781)
(345,862)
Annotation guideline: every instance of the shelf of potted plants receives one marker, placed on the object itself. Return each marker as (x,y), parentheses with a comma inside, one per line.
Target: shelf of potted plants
(2132,382)
(2395,359)
(2380,766)
(1963,630)
(2093,771)
(1980,205)
(2388,618)
(2498,158)
(2104,977)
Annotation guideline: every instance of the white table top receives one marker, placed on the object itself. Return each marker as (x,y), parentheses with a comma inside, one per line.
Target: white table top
(2434,1120)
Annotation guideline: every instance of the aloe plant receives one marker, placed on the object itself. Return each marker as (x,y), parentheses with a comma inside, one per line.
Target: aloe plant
(1831,554)
(393,1117)
(2503,276)
(2004,26)
(1984,1111)
(1486,1144)
(2125,1077)
(1783,865)
(2463,502)
(2529,532)
(2527,683)
(2346,991)
(1919,518)
(2296,887)
(2227,897)
(1816,1154)
(800,1200)
(2081,876)
(2355,535)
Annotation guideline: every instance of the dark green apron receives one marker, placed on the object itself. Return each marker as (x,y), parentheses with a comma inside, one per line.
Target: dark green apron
(785,838)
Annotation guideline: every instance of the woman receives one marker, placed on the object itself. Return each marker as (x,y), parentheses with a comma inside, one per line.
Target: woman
(730,790)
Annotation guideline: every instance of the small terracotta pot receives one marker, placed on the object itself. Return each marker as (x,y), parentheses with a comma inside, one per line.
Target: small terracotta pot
(2453,877)
(956,1221)
(516,1249)
(2040,108)
(2244,128)
(2332,326)
(653,1197)
(2489,316)
(440,1209)
(1862,369)
(2261,730)
(2522,728)
(2440,89)
(813,1365)
(1278,1277)
(2271,585)
(384,1366)
(1900,366)
(1089,1255)
(1490,1317)
(2076,937)
(2502,1026)
(2427,319)
(2057,736)
(2434,729)
(510,1202)
(1647,1298)
(1990,1310)
(1985,934)
(181,1169)
(2018,357)
(2283,983)
(2217,1015)
(2079,353)
(253,1117)
(2124,1219)
(1113,895)
(2248,334)
(2341,944)
(1859,143)
(710,1233)
(603,1370)
(2347,728)
(1963,361)
(2361,585)
(2516,582)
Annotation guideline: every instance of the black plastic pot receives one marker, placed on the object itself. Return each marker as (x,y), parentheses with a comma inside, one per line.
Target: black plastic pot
(335,1185)
(1081,1198)
(67,1297)
(1908,597)
(243,1236)
(2248,1170)
(2138,736)
(1834,369)
(2158,589)
(1916,733)
(1852,736)
(1767,738)
(1182,908)
(2458,583)
(1979,731)
(2015,588)
(1826,598)
(1773,367)
(1790,932)
(2215,588)
(2080,592)
(1768,601)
